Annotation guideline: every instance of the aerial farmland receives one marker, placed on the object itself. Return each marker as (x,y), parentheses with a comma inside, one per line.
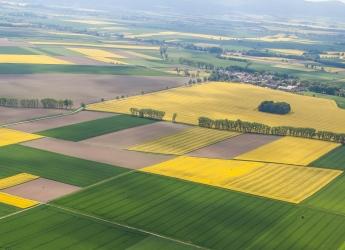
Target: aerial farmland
(138,125)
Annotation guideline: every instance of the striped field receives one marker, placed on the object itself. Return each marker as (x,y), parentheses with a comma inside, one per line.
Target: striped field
(290,150)
(185,141)
(47,227)
(209,217)
(282,182)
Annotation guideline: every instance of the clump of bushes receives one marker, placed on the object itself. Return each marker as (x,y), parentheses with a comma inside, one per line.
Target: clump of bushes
(281,108)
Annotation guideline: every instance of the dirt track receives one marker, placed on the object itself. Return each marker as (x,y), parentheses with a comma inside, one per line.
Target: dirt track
(82,88)
(113,156)
(235,146)
(41,125)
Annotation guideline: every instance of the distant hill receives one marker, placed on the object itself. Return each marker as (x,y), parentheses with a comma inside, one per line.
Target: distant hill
(277,8)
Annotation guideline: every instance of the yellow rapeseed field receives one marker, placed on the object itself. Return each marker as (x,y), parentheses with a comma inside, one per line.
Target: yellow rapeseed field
(284,182)
(10,136)
(234,101)
(214,172)
(290,150)
(100,55)
(16,201)
(31,59)
(16,180)
(114,46)
(185,141)
(275,181)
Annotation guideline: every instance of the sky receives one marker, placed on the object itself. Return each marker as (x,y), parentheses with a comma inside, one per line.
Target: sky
(326,0)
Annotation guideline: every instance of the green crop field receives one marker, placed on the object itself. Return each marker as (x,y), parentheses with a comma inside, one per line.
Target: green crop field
(8,68)
(85,130)
(331,198)
(338,99)
(206,216)
(51,228)
(18,159)
(16,51)
(334,159)
(5,210)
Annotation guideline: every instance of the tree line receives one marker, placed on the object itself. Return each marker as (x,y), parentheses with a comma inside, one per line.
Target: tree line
(260,128)
(36,103)
(148,113)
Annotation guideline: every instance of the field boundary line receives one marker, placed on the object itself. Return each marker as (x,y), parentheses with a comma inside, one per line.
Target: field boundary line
(20,211)
(97,184)
(42,118)
(76,212)
(323,210)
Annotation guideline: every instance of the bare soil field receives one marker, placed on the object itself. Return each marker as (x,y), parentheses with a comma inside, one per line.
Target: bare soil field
(5,42)
(235,146)
(41,125)
(138,135)
(80,60)
(114,156)
(42,190)
(82,88)
(12,115)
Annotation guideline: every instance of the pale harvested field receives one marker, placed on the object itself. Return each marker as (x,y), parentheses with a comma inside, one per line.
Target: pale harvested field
(234,101)
(90,22)
(8,43)
(133,136)
(31,59)
(233,147)
(100,55)
(41,125)
(290,150)
(184,34)
(12,115)
(103,154)
(81,88)
(42,190)
(113,46)
(184,142)
(276,181)
(294,52)
(81,60)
